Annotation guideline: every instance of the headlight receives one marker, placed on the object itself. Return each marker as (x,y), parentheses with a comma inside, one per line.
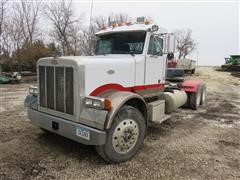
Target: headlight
(33,90)
(88,102)
(98,103)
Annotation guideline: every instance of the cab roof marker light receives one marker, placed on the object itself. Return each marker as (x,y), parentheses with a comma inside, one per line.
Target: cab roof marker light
(121,23)
(114,24)
(103,28)
(128,23)
(147,22)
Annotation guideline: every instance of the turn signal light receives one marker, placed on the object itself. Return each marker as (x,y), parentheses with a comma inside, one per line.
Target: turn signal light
(146,22)
(128,23)
(114,24)
(103,28)
(107,104)
(120,23)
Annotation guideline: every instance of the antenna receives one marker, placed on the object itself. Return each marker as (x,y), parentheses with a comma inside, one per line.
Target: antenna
(90,20)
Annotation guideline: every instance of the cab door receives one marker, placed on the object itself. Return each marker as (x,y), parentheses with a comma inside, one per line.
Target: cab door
(155,62)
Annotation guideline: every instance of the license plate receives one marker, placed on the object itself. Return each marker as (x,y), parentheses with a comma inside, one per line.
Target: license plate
(83,133)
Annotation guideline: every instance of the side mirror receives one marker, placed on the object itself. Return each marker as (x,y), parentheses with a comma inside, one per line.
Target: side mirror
(169,40)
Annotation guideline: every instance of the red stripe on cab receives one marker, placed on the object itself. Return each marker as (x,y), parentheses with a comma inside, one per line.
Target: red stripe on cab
(121,88)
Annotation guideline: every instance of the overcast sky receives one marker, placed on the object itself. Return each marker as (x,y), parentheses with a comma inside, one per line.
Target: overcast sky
(215,25)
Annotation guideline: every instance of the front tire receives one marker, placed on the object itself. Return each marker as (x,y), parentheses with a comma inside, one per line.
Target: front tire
(46,131)
(125,137)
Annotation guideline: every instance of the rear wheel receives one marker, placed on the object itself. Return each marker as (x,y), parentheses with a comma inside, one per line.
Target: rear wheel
(203,94)
(195,99)
(125,136)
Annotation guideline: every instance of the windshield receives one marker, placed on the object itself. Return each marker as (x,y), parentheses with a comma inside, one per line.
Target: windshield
(121,43)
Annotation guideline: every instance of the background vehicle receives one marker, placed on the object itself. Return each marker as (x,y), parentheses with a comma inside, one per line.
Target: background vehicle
(232,63)
(108,100)
(181,65)
(188,65)
(14,78)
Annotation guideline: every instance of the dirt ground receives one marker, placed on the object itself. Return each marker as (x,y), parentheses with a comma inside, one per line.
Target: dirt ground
(203,144)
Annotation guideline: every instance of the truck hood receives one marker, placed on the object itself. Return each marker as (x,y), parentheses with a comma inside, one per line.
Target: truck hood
(106,59)
(97,71)
(107,70)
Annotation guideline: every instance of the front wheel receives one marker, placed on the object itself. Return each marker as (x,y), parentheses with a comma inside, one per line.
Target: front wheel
(46,131)
(125,137)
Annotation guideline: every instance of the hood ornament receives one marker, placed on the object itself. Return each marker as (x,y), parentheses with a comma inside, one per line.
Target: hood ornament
(55,57)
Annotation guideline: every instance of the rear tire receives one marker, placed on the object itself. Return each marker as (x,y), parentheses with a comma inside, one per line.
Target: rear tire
(203,94)
(125,137)
(195,99)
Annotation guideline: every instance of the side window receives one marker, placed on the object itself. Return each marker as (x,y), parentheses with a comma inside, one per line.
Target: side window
(160,43)
(155,46)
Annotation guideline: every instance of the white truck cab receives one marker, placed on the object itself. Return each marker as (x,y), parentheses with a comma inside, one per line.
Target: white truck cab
(108,99)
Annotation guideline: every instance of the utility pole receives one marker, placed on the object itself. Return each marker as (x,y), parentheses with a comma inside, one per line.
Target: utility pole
(197,57)
(89,30)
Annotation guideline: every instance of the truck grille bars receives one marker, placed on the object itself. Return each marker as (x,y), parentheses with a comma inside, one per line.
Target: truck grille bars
(56,88)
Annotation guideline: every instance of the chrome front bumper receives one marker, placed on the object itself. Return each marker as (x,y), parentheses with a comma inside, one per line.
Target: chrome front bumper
(66,128)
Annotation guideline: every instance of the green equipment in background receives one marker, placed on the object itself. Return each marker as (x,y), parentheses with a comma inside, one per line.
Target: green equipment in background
(232,63)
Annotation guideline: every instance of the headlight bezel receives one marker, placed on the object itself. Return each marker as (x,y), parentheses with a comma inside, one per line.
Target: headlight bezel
(94,102)
(97,103)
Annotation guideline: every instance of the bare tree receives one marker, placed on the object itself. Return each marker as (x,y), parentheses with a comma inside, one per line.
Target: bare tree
(20,27)
(29,13)
(13,37)
(2,14)
(64,23)
(2,20)
(74,38)
(86,43)
(185,44)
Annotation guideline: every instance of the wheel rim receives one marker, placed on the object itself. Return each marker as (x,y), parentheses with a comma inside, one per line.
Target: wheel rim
(198,98)
(203,95)
(125,136)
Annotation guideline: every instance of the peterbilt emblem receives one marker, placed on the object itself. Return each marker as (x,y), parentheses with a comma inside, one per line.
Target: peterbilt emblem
(110,71)
(54,61)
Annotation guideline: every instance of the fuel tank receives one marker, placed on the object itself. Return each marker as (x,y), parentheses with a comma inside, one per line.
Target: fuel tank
(174,100)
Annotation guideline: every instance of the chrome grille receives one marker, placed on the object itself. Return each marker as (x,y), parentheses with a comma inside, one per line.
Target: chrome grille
(42,87)
(60,89)
(69,90)
(56,88)
(50,87)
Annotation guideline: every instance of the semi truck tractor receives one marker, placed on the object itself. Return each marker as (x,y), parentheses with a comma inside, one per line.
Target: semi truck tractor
(109,99)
